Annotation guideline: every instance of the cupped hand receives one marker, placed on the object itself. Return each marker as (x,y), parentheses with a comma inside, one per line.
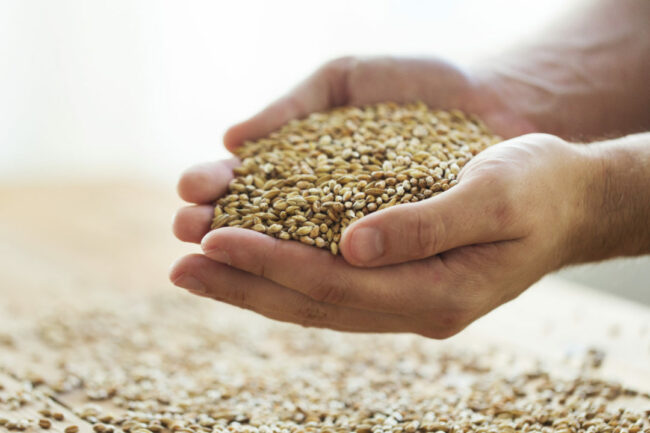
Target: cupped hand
(348,81)
(430,267)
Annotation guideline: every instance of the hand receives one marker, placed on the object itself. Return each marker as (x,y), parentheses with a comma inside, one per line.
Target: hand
(346,297)
(430,267)
(350,81)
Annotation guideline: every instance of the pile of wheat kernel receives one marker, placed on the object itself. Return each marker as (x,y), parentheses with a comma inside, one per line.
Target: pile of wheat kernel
(316,176)
(171,364)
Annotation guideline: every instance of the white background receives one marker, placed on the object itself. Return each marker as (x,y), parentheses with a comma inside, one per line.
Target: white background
(92,87)
(139,88)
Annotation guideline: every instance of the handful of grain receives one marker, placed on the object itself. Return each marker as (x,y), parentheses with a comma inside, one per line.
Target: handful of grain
(316,176)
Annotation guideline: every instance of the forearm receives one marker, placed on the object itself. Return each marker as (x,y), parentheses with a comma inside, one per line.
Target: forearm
(585,78)
(616,218)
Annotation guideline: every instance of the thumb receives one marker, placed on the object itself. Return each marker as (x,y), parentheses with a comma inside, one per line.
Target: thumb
(467,214)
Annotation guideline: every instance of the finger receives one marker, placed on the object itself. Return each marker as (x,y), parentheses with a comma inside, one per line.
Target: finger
(205,277)
(191,223)
(325,88)
(359,82)
(470,213)
(317,273)
(204,183)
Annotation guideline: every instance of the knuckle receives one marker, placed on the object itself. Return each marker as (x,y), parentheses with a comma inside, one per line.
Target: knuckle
(305,323)
(311,315)
(239,297)
(265,265)
(329,291)
(424,233)
(336,74)
(448,320)
(541,142)
(541,137)
(293,106)
(338,64)
(431,231)
(444,325)
(439,333)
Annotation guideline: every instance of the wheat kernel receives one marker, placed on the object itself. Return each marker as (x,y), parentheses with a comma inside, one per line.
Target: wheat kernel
(318,170)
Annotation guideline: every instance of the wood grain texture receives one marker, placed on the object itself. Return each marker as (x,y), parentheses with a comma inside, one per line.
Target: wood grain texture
(29,411)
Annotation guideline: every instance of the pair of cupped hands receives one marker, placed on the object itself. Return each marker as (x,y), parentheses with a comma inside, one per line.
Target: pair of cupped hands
(430,267)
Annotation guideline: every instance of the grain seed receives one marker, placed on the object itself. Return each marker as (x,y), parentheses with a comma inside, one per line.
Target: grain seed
(333,168)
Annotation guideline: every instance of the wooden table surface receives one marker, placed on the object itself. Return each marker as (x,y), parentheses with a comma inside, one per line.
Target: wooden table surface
(77,246)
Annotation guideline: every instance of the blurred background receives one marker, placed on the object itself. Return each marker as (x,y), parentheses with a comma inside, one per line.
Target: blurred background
(137,90)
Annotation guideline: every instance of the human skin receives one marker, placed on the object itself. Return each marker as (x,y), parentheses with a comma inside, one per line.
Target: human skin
(521,209)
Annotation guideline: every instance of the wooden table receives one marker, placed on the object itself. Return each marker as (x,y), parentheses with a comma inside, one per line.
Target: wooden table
(78,246)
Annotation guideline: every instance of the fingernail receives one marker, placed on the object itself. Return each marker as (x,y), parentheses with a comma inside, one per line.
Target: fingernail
(219,256)
(190,283)
(367,244)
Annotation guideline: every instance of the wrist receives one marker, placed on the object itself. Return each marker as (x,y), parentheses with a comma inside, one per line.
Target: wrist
(616,207)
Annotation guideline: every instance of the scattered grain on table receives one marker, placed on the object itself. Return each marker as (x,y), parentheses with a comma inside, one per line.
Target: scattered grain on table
(165,365)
